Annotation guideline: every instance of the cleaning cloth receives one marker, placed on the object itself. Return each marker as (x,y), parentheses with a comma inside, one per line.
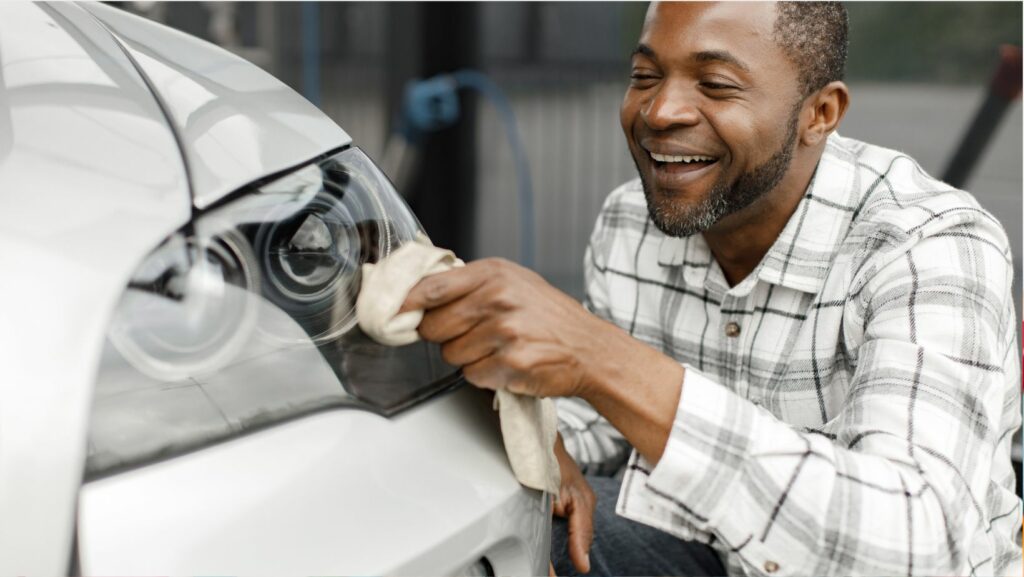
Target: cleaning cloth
(528,424)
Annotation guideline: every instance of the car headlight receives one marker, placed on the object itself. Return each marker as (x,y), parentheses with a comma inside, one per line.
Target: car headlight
(253,306)
(189,308)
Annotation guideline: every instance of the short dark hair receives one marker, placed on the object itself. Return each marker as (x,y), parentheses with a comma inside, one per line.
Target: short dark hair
(814,36)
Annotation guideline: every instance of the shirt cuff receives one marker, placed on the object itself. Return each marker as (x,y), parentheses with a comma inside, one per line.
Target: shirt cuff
(700,488)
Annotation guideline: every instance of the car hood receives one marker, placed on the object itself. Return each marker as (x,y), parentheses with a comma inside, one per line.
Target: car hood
(235,122)
(91,179)
(107,124)
(82,139)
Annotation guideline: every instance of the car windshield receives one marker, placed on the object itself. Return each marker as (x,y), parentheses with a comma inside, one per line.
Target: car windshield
(247,319)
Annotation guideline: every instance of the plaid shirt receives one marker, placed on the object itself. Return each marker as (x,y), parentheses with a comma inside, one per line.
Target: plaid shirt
(848,407)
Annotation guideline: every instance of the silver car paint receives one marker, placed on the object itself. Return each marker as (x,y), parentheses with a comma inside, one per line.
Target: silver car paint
(91,179)
(344,492)
(235,121)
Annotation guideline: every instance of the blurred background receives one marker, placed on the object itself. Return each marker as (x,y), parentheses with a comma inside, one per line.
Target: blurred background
(514,156)
(918,72)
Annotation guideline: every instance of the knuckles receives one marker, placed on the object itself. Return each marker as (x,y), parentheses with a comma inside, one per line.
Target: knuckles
(450,354)
(479,377)
(516,361)
(496,266)
(435,289)
(505,283)
(502,300)
(508,329)
(427,330)
(504,271)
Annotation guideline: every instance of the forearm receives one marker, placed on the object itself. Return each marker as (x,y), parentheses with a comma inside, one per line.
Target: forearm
(635,387)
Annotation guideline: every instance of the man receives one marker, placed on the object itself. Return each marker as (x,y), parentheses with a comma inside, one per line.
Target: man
(809,343)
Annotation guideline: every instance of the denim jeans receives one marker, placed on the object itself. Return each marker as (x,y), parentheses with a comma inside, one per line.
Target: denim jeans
(624,547)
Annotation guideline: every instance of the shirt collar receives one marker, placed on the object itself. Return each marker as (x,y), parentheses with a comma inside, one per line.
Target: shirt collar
(691,253)
(801,257)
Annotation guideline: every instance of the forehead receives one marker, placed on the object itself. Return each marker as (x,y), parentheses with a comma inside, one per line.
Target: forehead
(678,30)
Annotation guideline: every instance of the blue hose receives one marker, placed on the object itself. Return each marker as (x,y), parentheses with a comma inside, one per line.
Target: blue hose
(480,82)
(311,52)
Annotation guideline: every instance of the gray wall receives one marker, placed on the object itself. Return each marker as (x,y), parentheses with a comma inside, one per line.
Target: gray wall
(565,67)
(578,154)
(917,73)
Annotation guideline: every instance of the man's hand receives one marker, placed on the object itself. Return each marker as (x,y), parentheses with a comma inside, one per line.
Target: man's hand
(576,501)
(509,329)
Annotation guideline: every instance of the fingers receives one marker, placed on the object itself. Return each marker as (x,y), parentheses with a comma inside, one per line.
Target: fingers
(487,373)
(578,505)
(561,505)
(480,341)
(551,569)
(446,322)
(500,371)
(442,288)
(581,535)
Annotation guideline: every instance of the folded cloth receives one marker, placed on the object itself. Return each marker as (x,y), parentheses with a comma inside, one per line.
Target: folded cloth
(388,282)
(528,424)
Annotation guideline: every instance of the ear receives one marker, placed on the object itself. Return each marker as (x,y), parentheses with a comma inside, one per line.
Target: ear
(826,109)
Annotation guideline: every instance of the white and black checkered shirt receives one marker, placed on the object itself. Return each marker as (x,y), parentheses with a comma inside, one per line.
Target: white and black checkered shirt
(847,408)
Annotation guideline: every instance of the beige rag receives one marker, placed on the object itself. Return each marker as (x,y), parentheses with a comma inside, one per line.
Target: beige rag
(528,424)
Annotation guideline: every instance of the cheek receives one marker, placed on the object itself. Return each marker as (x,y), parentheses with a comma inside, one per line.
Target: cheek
(740,132)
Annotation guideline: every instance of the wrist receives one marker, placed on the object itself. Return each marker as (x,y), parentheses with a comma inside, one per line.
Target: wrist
(566,463)
(612,357)
(636,387)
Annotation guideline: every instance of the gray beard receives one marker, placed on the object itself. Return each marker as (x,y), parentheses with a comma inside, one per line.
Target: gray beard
(676,219)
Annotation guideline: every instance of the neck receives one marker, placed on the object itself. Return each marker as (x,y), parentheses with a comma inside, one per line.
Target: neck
(740,240)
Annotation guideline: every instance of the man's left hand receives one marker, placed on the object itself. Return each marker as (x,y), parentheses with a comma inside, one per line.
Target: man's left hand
(576,502)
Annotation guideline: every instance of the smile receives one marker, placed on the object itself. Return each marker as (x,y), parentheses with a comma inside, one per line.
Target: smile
(673,170)
(668,158)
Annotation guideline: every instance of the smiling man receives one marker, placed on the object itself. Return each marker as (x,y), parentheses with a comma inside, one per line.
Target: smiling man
(808,342)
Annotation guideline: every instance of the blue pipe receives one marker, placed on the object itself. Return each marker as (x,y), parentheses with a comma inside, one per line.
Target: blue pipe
(311,52)
(479,81)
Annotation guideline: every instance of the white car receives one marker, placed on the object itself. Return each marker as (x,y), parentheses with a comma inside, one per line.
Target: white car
(184,390)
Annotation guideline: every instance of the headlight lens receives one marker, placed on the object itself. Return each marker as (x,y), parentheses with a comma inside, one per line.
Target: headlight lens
(190,307)
(248,317)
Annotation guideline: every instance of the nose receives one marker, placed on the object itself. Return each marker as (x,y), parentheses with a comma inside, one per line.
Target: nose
(671,105)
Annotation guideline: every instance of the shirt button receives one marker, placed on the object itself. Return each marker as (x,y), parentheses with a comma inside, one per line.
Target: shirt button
(732,330)
(771,566)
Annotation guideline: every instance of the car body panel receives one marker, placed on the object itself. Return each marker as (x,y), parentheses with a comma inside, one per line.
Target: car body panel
(336,490)
(233,119)
(92,178)
(231,509)
(90,181)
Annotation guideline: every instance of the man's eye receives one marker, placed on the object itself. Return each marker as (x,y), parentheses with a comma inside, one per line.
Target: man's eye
(641,76)
(717,86)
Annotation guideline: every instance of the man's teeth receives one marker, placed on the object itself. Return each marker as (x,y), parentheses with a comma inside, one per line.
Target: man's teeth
(670,158)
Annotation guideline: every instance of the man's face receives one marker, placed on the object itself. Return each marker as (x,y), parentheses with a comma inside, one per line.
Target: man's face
(710,85)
